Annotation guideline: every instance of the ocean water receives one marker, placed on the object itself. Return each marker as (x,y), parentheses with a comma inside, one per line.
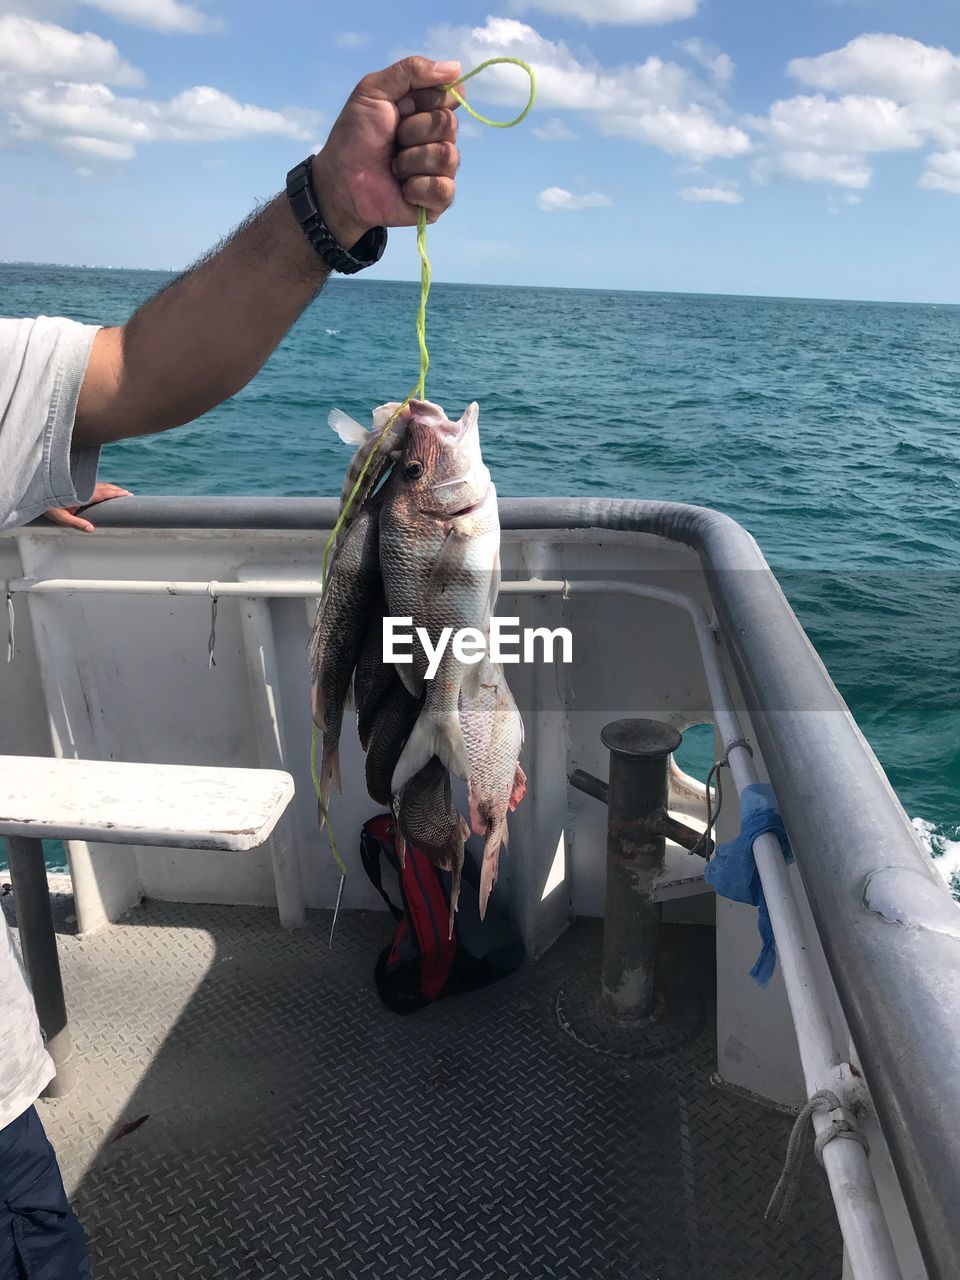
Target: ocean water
(831,430)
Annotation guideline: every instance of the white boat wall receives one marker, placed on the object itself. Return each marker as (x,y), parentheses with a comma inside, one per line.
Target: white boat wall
(675,617)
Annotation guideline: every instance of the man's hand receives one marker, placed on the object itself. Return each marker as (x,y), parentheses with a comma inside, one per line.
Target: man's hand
(68,515)
(392,149)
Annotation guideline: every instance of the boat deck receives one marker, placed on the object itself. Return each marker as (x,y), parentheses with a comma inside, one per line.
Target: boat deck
(292,1126)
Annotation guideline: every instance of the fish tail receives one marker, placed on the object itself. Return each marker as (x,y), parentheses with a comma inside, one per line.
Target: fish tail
(491,861)
(432,737)
(519,788)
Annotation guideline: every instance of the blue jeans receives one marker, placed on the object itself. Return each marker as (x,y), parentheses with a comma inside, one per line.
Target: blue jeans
(40,1237)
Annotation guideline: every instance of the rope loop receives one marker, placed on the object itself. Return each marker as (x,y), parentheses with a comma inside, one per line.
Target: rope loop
(492,62)
(212,641)
(713,779)
(11,626)
(840,1126)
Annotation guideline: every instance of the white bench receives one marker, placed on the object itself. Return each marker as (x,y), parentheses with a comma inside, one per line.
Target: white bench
(181,806)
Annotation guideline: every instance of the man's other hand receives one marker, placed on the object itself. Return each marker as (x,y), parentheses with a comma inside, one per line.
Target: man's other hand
(392,149)
(68,515)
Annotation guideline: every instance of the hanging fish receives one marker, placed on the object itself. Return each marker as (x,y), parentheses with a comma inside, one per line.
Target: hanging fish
(493,731)
(425,816)
(440,560)
(352,590)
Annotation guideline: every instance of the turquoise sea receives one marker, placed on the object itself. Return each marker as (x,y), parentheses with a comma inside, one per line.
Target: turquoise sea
(831,430)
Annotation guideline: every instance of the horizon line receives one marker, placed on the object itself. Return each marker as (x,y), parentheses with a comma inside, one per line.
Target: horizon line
(475,284)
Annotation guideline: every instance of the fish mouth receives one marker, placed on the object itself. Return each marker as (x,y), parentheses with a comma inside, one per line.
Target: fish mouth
(470,509)
(473,507)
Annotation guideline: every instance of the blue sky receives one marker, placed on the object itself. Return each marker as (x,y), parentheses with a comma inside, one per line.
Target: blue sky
(734,146)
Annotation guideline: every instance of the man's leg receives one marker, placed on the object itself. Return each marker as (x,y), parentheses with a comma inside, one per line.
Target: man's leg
(40,1237)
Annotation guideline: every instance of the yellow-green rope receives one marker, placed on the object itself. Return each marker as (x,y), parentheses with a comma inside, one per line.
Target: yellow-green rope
(419,391)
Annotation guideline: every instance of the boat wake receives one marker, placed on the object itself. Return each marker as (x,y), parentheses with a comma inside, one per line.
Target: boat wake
(943,845)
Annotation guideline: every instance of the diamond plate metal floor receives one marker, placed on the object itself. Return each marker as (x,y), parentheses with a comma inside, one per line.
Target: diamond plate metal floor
(296,1128)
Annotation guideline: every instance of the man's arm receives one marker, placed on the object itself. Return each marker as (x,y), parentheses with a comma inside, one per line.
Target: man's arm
(198,341)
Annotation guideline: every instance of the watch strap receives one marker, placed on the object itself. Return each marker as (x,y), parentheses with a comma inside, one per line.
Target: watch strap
(303,200)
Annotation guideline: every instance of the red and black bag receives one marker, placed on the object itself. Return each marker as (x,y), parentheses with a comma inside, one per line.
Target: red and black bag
(423,964)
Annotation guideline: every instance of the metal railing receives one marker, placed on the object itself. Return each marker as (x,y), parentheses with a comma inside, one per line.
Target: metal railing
(888,926)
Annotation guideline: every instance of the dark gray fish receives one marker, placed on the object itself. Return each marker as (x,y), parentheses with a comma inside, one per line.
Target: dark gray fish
(372,680)
(426,816)
(389,730)
(343,616)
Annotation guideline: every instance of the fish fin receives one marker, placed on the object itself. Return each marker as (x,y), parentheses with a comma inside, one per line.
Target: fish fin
(399,841)
(451,556)
(505,832)
(455,876)
(519,788)
(445,564)
(411,679)
(488,873)
(432,737)
(472,680)
(330,771)
(495,577)
(319,719)
(348,429)
(478,824)
(470,416)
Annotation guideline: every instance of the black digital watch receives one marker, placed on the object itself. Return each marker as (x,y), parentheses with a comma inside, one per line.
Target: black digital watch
(303,200)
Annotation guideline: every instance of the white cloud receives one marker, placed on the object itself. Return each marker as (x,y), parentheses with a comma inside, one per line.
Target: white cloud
(720,193)
(889,65)
(625,12)
(92,118)
(43,50)
(656,101)
(942,172)
(83,172)
(835,203)
(555,130)
(158,15)
(556,199)
(814,166)
(712,59)
(854,123)
(103,148)
(351,39)
(880,92)
(694,132)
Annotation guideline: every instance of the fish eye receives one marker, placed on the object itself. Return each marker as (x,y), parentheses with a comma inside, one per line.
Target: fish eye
(413,470)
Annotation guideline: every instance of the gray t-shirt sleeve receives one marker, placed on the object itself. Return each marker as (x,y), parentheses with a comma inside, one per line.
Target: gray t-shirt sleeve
(42,364)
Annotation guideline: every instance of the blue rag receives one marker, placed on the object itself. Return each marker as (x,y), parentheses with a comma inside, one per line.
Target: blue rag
(733,872)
